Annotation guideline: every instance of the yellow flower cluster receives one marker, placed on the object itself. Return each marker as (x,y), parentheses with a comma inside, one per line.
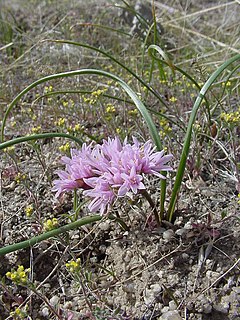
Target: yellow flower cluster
(19,276)
(69,103)
(239,198)
(20,177)
(110,108)
(18,314)
(29,210)
(48,89)
(94,96)
(76,128)
(232,117)
(133,112)
(60,122)
(165,128)
(9,149)
(98,93)
(227,84)
(50,224)
(173,99)
(65,147)
(36,129)
(74,265)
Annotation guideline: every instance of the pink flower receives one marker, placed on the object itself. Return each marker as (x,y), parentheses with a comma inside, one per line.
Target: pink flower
(102,193)
(132,181)
(110,170)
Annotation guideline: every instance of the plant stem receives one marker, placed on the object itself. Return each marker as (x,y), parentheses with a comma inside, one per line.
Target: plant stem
(153,206)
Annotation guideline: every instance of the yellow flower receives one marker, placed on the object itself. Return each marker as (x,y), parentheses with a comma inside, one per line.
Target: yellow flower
(29,210)
(18,314)
(19,276)
(48,89)
(20,177)
(110,108)
(173,99)
(227,84)
(78,128)
(9,149)
(133,112)
(65,147)
(74,265)
(50,224)
(60,122)
(36,129)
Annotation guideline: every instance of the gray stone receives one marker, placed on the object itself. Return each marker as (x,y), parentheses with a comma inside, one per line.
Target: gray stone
(170,315)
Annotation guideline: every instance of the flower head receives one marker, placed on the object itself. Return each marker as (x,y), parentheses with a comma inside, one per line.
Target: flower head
(110,170)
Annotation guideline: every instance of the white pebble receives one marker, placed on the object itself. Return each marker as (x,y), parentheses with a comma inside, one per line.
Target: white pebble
(168,234)
(170,315)
(45,312)
(54,300)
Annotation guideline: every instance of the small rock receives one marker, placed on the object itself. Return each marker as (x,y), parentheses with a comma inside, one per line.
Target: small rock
(170,315)
(207,308)
(104,226)
(155,288)
(165,309)
(168,234)
(223,308)
(172,305)
(45,312)
(185,256)
(181,232)
(128,256)
(54,300)
(236,289)
(129,287)
(212,275)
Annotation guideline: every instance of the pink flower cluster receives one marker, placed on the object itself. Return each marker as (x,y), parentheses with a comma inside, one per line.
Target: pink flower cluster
(110,170)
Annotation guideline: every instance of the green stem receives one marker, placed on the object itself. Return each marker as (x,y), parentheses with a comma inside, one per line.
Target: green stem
(56,232)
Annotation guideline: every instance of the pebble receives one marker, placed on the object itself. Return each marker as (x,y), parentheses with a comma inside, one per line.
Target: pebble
(104,226)
(181,232)
(223,308)
(128,256)
(54,300)
(152,293)
(185,256)
(170,315)
(236,289)
(168,234)
(45,312)
(172,305)
(129,287)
